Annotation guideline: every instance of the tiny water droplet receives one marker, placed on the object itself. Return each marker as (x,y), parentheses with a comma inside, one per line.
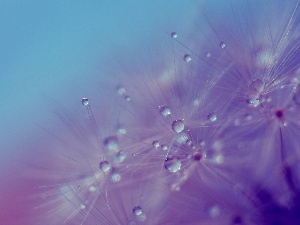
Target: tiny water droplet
(85,101)
(82,206)
(222,45)
(164,147)
(121,90)
(174,35)
(164,110)
(187,58)
(137,210)
(172,164)
(115,177)
(92,188)
(127,98)
(111,143)
(155,144)
(207,54)
(104,166)
(178,126)
(120,156)
(253,102)
(212,117)
(197,156)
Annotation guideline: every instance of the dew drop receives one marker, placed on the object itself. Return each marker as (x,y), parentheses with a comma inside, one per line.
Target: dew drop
(155,144)
(82,206)
(111,143)
(253,102)
(164,111)
(172,163)
(222,45)
(187,58)
(164,147)
(85,101)
(121,90)
(174,35)
(178,126)
(120,156)
(115,177)
(92,189)
(104,166)
(137,211)
(127,98)
(207,54)
(212,117)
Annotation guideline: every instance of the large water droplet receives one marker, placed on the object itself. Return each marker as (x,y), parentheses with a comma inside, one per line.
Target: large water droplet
(178,126)
(85,101)
(174,35)
(212,117)
(222,45)
(137,210)
(187,58)
(164,110)
(111,143)
(172,163)
(104,166)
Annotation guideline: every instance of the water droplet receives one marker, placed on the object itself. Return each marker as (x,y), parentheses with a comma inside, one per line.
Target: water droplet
(85,101)
(115,177)
(178,126)
(121,90)
(172,163)
(120,156)
(122,131)
(187,58)
(189,142)
(104,166)
(127,98)
(82,206)
(174,35)
(137,210)
(212,117)
(222,45)
(207,54)
(164,110)
(111,143)
(155,144)
(253,102)
(92,188)
(164,147)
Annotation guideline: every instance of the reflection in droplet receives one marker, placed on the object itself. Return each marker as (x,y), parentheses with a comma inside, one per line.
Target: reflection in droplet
(172,164)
